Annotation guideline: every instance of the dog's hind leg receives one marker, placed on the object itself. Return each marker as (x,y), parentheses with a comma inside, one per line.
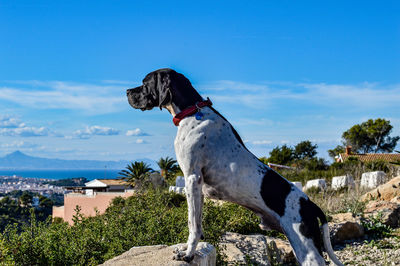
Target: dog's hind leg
(304,248)
(194,196)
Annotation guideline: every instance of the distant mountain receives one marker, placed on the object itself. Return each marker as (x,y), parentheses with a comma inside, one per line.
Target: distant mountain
(19,160)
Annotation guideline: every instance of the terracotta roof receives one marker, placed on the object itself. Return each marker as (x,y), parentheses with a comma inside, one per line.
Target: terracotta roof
(114,182)
(388,157)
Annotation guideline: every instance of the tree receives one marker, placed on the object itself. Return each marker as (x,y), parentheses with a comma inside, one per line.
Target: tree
(45,202)
(335,151)
(281,155)
(168,167)
(26,198)
(136,173)
(305,150)
(371,136)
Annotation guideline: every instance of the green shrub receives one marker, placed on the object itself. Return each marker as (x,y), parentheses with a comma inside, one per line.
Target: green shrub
(149,218)
(377,165)
(375,228)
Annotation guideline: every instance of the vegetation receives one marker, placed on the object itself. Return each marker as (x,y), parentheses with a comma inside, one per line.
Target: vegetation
(150,218)
(376,228)
(336,151)
(153,216)
(168,167)
(317,168)
(301,153)
(371,136)
(15,209)
(136,174)
(305,150)
(281,155)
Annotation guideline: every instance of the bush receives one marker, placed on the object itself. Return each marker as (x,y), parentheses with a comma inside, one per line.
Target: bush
(375,228)
(377,165)
(149,218)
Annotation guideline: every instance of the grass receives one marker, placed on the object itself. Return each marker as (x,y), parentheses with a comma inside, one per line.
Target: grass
(333,202)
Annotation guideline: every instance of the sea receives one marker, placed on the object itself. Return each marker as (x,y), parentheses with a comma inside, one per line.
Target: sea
(90,174)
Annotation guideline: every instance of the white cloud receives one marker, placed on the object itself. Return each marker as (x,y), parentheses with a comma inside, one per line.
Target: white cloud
(66,95)
(10,122)
(25,131)
(259,96)
(140,141)
(11,126)
(365,94)
(262,142)
(136,132)
(95,130)
(19,144)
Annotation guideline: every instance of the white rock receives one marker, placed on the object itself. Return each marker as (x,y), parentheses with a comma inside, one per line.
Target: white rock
(180,181)
(245,249)
(372,179)
(298,184)
(317,183)
(161,255)
(179,190)
(345,181)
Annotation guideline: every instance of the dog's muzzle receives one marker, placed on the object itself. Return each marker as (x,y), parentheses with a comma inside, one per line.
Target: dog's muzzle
(140,100)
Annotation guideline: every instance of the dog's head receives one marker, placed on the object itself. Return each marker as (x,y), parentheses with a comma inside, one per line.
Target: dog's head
(163,87)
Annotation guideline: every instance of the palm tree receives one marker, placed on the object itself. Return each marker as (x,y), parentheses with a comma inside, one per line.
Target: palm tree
(168,167)
(136,173)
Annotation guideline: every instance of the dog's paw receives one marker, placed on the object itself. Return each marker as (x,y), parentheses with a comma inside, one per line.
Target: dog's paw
(188,259)
(182,256)
(181,248)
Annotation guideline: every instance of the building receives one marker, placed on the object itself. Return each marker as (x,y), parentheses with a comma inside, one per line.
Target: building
(94,197)
(367,157)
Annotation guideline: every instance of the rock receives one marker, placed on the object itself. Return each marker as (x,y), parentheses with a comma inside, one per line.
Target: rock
(281,252)
(372,179)
(344,217)
(396,200)
(315,183)
(257,249)
(180,181)
(298,184)
(339,182)
(345,227)
(179,190)
(386,192)
(162,255)
(245,249)
(388,211)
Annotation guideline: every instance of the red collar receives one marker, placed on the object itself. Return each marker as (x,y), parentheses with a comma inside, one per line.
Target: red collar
(191,110)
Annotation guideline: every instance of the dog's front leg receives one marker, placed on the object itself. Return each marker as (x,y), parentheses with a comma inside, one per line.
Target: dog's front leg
(194,196)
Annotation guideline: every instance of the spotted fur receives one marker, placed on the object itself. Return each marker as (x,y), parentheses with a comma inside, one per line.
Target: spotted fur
(216,164)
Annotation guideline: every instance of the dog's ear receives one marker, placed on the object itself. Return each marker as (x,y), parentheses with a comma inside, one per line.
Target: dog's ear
(164,89)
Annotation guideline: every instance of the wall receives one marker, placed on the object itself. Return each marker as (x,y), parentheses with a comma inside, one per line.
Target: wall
(88,204)
(58,211)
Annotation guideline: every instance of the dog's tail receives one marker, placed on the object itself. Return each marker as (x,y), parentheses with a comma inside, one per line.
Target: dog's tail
(328,245)
(326,237)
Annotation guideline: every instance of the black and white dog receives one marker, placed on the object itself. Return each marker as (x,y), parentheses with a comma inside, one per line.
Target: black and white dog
(216,163)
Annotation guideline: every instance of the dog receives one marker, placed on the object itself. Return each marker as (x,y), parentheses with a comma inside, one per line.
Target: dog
(216,163)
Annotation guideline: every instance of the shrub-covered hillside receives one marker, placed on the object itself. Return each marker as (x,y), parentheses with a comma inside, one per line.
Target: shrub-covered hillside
(150,218)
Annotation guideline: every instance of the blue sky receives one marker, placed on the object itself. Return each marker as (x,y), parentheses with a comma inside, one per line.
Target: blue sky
(280,71)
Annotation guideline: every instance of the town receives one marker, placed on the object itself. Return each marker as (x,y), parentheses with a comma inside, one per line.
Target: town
(41,186)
